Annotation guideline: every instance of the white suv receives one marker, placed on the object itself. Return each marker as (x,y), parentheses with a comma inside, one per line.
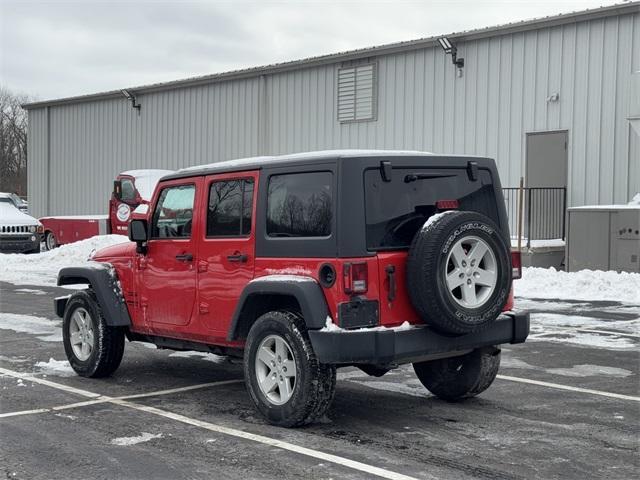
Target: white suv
(19,232)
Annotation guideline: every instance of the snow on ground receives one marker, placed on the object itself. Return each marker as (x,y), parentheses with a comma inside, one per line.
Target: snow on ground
(42,269)
(592,338)
(59,368)
(557,320)
(202,355)
(583,370)
(127,441)
(551,243)
(583,285)
(47,330)
(31,291)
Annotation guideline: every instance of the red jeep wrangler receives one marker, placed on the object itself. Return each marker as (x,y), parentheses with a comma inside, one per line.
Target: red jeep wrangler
(303,263)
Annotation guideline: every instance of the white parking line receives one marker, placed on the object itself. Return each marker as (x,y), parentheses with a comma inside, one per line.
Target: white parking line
(101,398)
(327,457)
(567,387)
(42,381)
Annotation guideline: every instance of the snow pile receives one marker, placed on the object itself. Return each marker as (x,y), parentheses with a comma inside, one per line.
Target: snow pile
(59,368)
(583,285)
(143,437)
(329,326)
(433,219)
(635,200)
(42,269)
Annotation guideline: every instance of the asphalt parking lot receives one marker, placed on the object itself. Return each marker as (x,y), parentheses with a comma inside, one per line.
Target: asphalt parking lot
(561,408)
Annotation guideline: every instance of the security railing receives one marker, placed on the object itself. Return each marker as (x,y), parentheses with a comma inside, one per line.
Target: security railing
(544,212)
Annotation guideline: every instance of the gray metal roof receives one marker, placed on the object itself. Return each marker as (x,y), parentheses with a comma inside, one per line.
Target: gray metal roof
(532,24)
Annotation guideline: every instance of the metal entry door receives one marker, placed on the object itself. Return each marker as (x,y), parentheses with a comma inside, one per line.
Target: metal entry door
(547,159)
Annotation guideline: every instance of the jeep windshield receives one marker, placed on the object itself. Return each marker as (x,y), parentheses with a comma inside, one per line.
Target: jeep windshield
(396,209)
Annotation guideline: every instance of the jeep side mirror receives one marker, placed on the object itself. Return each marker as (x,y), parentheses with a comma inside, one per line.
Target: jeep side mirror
(117,189)
(138,234)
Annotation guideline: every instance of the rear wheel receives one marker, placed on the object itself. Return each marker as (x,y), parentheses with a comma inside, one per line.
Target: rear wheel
(284,379)
(457,378)
(93,348)
(50,241)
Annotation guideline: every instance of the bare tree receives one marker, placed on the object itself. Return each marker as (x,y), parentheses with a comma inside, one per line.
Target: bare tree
(13,142)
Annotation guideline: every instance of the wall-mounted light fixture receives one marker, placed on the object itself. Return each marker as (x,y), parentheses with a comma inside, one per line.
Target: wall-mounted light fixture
(450,49)
(131,97)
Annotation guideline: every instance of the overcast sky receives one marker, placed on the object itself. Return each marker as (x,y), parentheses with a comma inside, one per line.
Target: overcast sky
(52,49)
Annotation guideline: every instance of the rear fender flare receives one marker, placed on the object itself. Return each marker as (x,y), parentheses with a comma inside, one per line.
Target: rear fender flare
(103,280)
(306,291)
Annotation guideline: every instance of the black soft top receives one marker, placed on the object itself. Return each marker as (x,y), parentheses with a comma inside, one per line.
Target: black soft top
(307,158)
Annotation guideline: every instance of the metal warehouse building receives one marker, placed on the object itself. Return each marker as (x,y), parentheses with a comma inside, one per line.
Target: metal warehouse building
(556,100)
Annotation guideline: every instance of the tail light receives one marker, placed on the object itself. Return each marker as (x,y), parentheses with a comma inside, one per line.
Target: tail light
(40,229)
(516,265)
(447,204)
(355,277)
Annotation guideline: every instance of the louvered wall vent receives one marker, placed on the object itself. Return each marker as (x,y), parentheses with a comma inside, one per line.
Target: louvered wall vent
(357,93)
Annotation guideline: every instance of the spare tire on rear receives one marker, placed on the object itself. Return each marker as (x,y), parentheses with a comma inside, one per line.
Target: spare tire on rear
(459,272)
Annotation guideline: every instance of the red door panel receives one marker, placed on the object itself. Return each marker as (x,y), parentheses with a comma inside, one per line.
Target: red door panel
(227,248)
(167,271)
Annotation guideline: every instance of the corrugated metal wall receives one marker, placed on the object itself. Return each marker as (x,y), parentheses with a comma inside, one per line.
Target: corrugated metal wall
(422,104)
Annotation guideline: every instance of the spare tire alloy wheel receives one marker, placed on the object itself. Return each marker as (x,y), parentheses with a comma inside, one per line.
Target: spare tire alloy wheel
(471,272)
(459,272)
(276,369)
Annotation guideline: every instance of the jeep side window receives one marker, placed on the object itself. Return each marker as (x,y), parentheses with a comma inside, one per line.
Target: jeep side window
(174,211)
(300,205)
(230,207)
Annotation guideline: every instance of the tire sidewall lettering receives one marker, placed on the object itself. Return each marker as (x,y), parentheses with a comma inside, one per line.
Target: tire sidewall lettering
(427,269)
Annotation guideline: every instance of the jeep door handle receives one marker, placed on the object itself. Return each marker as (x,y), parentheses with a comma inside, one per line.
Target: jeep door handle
(238,257)
(185,257)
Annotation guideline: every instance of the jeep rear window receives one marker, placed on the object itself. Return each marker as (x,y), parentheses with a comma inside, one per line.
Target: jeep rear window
(395,210)
(300,205)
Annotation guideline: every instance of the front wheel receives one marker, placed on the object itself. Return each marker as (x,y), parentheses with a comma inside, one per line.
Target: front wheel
(93,348)
(50,241)
(285,380)
(461,377)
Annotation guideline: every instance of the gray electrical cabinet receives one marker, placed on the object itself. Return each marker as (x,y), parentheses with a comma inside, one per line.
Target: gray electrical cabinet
(604,238)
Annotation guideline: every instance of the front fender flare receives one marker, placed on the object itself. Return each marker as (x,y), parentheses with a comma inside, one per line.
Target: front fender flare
(305,290)
(103,280)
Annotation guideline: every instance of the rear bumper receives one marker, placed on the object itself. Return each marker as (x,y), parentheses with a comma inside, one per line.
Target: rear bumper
(389,347)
